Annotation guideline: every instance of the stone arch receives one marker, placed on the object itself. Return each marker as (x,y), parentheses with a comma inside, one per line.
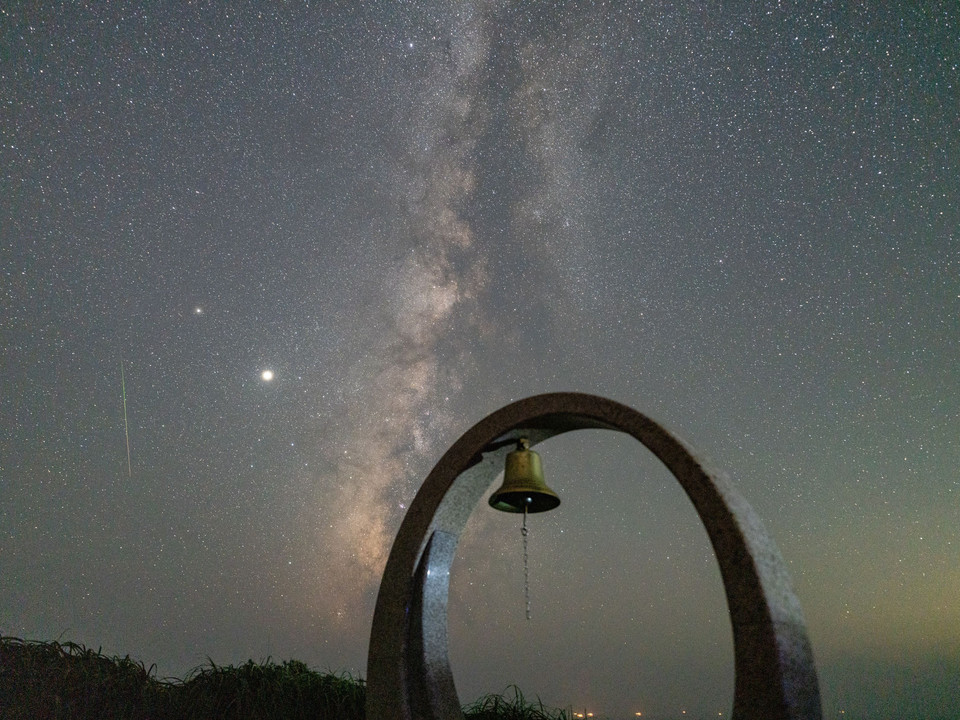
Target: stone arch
(408,670)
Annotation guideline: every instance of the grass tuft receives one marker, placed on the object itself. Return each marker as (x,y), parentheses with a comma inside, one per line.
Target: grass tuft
(498,707)
(67,681)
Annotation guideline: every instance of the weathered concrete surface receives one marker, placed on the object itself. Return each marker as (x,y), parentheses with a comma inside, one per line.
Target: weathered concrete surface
(408,671)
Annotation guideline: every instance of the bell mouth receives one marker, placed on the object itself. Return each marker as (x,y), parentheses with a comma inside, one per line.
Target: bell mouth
(516,502)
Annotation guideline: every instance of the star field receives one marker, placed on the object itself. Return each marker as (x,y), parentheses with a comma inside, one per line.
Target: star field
(323,240)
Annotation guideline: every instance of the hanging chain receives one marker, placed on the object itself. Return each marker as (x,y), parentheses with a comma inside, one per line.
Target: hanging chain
(526,564)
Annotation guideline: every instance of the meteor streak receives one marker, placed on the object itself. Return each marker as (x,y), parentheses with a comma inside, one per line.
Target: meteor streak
(126,431)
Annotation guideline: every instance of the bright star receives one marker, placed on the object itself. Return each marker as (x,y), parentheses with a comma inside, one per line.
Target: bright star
(267,375)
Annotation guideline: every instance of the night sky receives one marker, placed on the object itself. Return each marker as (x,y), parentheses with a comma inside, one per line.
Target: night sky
(744,223)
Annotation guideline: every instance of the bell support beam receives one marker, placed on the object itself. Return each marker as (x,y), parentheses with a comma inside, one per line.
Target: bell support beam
(408,670)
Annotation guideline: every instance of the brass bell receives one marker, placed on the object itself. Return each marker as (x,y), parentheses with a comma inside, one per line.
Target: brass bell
(523,487)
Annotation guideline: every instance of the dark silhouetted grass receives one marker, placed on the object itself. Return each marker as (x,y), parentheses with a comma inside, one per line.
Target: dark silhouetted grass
(497,707)
(61,681)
